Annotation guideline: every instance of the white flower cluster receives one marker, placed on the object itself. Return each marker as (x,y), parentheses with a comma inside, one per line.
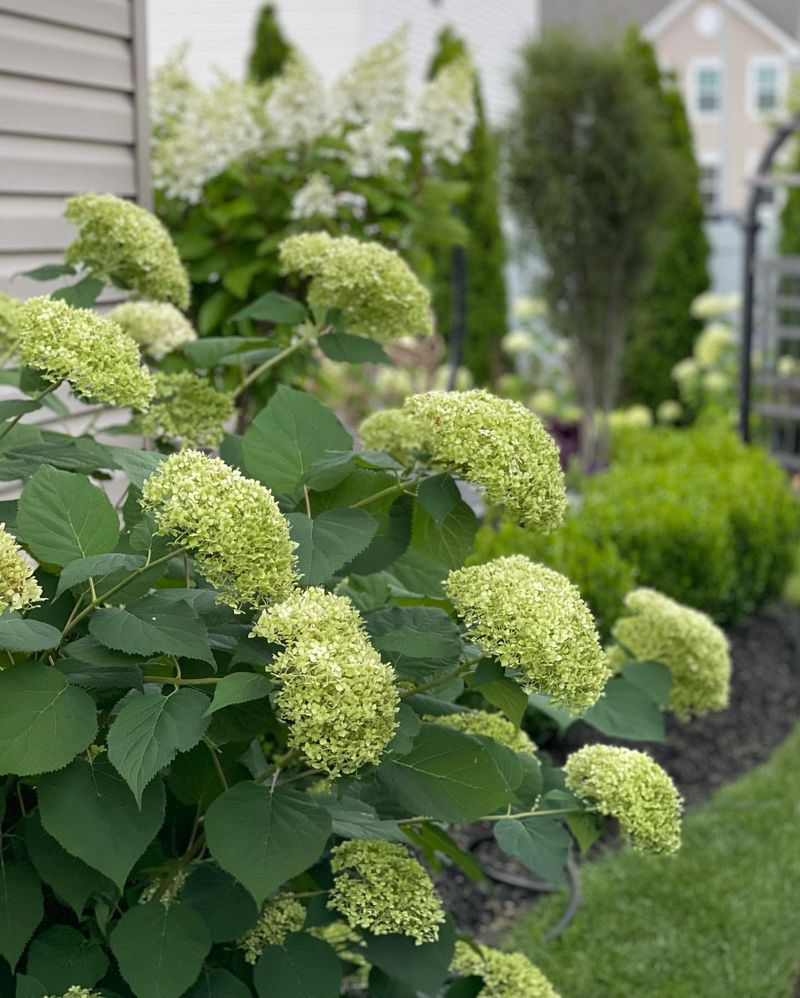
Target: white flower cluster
(315,199)
(375,88)
(446,112)
(297,107)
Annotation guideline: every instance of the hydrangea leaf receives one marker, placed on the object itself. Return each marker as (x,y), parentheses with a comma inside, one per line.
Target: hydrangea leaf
(23,634)
(273,307)
(264,839)
(492,683)
(210,350)
(106,570)
(21,908)
(151,625)
(540,844)
(44,723)
(62,957)
(626,711)
(61,516)
(652,678)
(82,294)
(238,687)
(351,349)
(90,810)
(288,437)
(151,729)
(421,968)
(218,983)
(418,640)
(159,949)
(438,496)
(302,967)
(9,408)
(329,541)
(229,911)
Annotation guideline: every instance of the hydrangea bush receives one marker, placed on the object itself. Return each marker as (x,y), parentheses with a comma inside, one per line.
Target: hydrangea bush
(243,707)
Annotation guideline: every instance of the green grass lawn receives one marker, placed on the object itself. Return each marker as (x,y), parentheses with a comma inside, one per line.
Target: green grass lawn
(721,919)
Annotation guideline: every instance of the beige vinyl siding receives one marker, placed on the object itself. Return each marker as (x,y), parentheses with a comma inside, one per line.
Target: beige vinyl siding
(73,118)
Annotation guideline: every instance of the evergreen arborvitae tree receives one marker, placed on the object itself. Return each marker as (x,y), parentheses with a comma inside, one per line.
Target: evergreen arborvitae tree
(662,329)
(270,48)
(486,307)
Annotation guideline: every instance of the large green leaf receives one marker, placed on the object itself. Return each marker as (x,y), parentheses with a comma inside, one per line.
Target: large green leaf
(138,465)
(448,540)
(273,307)
(492,683)
(391,539)
(23,634)
(72,880)
(626,711)
(210,350)
(540,844)
(151,729)
(438,496)
(159,949)
(82,294)
(652,678)
(10,408)
(264,839)
(418,640)
(229,911)
(238,687)
(88,663)
(447,776)
(62,516)
(301,967)
(329,541)
(351,349)
(90,810)
(218,984)
(44,722)
(422,968)
(21,908)
(62,957)
(106,571)
(152,624)
(288,437)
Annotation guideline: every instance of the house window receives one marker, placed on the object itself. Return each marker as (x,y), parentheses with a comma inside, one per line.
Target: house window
(708,89)
(710,182)
(766,86)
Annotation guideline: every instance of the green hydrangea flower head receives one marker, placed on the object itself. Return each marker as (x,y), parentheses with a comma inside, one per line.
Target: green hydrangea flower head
(483,722)
(374,288)
(393,431)
(629,786)
(505,975)
(499,445)
(18,589)
(9,332)
(279,917)
(127,245)
(232,525)
(533,619)
(687,641)
(186,406)
(158,327)
(338,697)
(379,887)
(79,346)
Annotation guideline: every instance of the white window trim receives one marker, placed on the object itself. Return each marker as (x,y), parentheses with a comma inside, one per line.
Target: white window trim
(754,63)
(693,91)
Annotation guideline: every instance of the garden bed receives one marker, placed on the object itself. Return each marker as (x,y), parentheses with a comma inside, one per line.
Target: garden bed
(701,756)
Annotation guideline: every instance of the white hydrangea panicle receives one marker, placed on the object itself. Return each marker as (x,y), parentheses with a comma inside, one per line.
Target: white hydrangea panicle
(18,588)
(373,151)
(446,111)
(158,327)
(375,88)
(505,975)
(315,199)
(171,93)
(296,107)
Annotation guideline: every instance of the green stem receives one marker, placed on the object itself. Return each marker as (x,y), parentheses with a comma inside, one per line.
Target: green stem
(504,817)
(462,670)
(410,487)
(256,373)
(176,681)
(217,766)
(36,398)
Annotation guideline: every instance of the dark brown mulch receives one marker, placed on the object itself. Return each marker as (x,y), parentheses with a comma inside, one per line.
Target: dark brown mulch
(701,755)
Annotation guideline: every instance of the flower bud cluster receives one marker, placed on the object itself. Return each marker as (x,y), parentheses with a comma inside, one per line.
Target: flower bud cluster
(504,974)
(482,722)
(629,786)
(237,534)
(279,917)
(18,589)
(186,406)
(158,327)
(391,430)
(379,887)
(534,620)
(79,346)
(338,697)
(169,894)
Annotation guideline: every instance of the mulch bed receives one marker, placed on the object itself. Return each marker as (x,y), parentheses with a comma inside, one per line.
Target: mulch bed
(701,756)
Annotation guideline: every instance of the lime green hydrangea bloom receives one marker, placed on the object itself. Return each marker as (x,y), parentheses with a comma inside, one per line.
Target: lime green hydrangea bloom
(186,406)
(379,887)
(279,917)
(374,288)
(534,620)
(391,430)
(687,641)
(79,346)
(338,697)
(166,895)
(9,331)
(127,245)
(499,445)
(158,327)
(482,722)
(18,589)
(629,786)
(505,975)
(232,525)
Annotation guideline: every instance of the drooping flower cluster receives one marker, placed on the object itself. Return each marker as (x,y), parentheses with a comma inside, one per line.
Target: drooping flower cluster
(499,445)
(687,641)
(187,407)
(391,430)
(168,894)
(534,620)
(79,346)
(482,722)
(446,112)
(373,287)
(18,588)
(338,697)
(315,199)
(629,786)
(232,525)
(158,327)
(8,322)
(379,887)
(279,917)
(122,243)
(505,975)
(296,108)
